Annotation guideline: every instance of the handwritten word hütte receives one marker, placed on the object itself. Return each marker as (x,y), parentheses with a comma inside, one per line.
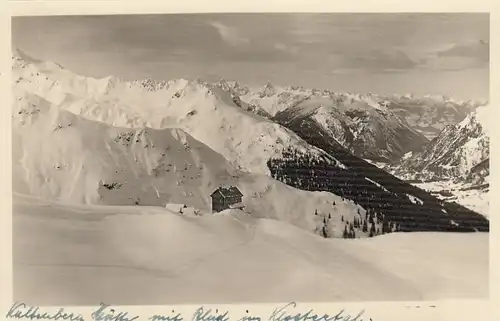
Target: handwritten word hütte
(106,313)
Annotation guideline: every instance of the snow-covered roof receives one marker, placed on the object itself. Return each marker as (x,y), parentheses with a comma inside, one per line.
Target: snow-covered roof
(227,191)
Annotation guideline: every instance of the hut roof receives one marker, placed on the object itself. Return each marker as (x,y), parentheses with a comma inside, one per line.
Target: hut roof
(227,191)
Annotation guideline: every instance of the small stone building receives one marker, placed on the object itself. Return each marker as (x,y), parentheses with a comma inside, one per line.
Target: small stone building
(224,198)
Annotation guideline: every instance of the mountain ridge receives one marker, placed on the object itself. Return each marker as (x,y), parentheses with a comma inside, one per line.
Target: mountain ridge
(374,127)
(453,153)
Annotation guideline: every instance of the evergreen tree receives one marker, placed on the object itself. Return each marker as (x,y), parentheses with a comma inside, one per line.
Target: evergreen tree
(351,232)
(372,230)
(329,216)
(342,218)
(385,225)
(345,234)
(324,231)
(365,227)
(316,212)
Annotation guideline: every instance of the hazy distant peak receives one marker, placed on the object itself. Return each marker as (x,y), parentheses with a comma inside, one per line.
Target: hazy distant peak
(18,53)
(21,56)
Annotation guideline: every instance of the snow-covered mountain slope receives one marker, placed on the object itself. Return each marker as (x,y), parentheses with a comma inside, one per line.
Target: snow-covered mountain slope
(206,113)
(374,189)
(361,123)
(372,133)
(454,153)
(70,158)
(59,155)
(65,254)
(430,115)
(249,142)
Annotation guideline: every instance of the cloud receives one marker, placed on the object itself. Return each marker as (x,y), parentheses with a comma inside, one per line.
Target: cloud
(264,48)
(458,56)
(479,50)
(230,35)
(379,60)
(284,48)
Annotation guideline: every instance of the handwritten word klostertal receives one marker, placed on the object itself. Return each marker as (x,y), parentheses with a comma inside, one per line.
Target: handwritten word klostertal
(281,314)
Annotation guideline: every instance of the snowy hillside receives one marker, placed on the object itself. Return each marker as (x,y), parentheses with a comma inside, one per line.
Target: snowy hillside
(110,250)
(63,156)
(454,153)
(206,113)
(368,132)
(59,155)
(430,115)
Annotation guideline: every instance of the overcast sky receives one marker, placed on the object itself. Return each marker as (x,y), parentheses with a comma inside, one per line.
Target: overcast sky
(384,53)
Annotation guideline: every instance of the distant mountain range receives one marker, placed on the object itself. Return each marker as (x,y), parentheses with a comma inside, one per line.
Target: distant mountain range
(460,153)
(430,115)
(146,142)
(374,127)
